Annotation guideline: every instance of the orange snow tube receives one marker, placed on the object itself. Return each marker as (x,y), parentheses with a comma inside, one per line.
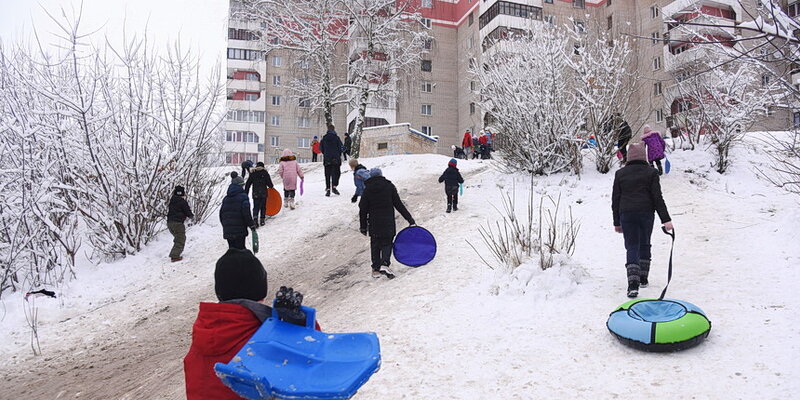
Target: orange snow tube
(274,202)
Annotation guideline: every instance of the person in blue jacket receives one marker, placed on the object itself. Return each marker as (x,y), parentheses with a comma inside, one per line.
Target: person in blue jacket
(235,214)
(358,178)
(331,147)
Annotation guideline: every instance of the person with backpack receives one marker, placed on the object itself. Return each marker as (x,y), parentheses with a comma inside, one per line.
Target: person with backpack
(289,170)
(234,214)
(655,147)
(246,165)
(376,216)
(177,212)
(358,178)
(315,149)
(259,180)
(635,197)
(331,147)
(451,178)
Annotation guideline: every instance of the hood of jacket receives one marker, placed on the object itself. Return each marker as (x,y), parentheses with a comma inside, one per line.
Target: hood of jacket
(330,133)
(651,133)
(234,189)
(362,174)
(287,153)
(220,327)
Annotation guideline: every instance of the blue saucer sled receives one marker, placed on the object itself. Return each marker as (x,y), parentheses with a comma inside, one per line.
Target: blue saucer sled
(414,246)
(287,361)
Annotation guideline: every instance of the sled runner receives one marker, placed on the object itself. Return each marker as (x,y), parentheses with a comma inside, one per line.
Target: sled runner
(274,202)
(287,361)
(659,325)
(414,246)
(255,240)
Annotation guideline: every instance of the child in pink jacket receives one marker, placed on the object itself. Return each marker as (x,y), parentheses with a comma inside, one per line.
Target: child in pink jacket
(289,170)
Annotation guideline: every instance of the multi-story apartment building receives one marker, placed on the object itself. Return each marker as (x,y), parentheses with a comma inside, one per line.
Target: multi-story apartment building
(441,99)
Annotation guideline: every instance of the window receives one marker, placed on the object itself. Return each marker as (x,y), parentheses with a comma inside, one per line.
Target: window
(608,3)
(427,87)
(427,130)
(579,3)
(770,110)
(276,80)
(656,63)
(548,1)
(427,66)
(426,22)
(304,102)
(238,158)
(472,85)
(241,136)
(252,76)
(550,19)
(576,49)
(304,122)
(246,116)
(274,141)
(509,8)
(427,109)
(472,63)
(471,108)
(580,26)
(657,89)
(660,115)
(470,42)
(383,146)
(470,20)
(303,64)
(655,37)
(796,117)
(276,100)
(276,120)
(428,44)
(242,34)
(276,61)
(251,96)
(793,9)
(427,3)
(244,54)
(765,80)
(610,22)
(654,12)
(303,143)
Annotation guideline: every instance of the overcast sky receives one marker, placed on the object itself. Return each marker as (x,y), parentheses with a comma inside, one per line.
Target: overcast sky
(199,23)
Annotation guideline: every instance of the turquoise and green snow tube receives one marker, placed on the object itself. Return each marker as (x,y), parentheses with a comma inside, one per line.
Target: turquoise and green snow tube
(659,325)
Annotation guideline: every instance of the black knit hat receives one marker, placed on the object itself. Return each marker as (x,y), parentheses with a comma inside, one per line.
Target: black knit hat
(240,275)
(259,164)
(179,191)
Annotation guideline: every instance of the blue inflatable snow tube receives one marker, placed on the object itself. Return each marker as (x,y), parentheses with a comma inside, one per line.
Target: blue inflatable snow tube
(659,325)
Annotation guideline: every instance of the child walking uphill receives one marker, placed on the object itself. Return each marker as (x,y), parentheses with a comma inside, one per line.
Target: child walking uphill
(360,174)
(636,195)
(655,147)
(451,178)
(289,170)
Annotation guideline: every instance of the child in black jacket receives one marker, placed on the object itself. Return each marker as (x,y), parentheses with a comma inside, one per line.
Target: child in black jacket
(451,178)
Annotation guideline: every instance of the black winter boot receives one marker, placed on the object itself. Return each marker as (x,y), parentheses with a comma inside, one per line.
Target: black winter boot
(644,271)
(633,279)
(449,207)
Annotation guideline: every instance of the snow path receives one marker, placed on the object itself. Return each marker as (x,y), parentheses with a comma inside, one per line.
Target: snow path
(443,334)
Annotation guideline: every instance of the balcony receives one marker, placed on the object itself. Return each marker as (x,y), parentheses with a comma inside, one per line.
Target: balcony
(687,58)
(686,31)
(674,9)
(246,85)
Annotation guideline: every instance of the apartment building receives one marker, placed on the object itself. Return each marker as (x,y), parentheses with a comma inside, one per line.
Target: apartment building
(441,99)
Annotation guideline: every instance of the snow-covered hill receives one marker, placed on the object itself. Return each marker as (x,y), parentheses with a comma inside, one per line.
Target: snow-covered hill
(454,328)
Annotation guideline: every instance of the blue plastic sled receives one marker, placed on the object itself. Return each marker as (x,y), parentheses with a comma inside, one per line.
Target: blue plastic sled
(414,246)
(667,165)
(286,361)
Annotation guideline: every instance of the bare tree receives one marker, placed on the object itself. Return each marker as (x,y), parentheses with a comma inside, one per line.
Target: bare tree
(314,32)
(387,40)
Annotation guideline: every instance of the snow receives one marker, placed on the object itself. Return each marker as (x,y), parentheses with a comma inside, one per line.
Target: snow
(455,328)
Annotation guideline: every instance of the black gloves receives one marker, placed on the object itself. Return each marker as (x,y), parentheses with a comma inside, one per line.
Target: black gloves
(412,223)
(364,232)
(354,198)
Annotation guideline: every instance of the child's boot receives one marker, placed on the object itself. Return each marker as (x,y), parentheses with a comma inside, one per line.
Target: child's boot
(633,280)
(644,271)
(455,204)
(449,207)
(291,203)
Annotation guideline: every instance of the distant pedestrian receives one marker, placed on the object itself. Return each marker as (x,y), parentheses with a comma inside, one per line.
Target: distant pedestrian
(246,165)
(289,170)
(624,134)
(177,212)
(315,149)
(348,145)
(458,152)
(484,143)
(234,214)
(635,197)
(655,147)
(476,147)
(452,179)
(360,174)
(331,147)
(466,144)
(376,215)
(260,180)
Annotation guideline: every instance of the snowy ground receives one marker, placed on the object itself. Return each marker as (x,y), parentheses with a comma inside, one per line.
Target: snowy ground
(120,331)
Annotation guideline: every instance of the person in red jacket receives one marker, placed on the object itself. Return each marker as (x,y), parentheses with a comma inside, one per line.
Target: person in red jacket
(467,144)
(315,151)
